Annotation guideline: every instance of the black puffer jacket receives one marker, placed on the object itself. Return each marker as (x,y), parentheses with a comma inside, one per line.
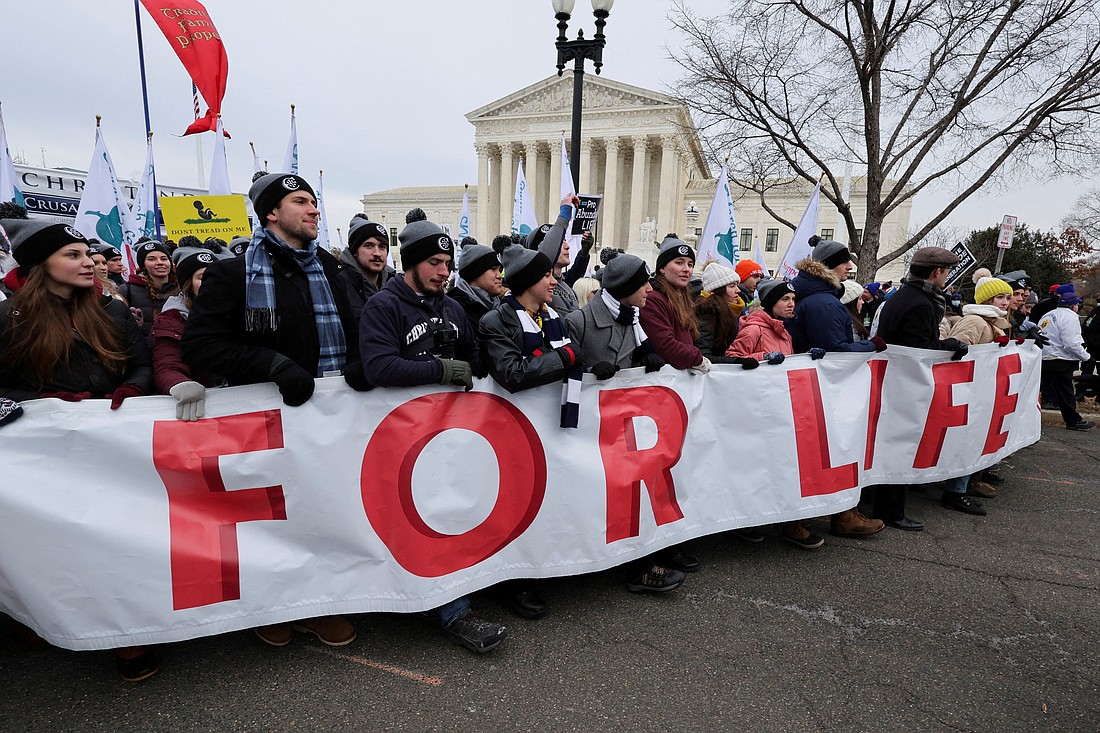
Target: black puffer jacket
(148,298)
(84,372)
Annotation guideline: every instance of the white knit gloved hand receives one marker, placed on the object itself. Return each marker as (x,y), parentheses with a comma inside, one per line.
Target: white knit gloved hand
(190,400)
(702,367)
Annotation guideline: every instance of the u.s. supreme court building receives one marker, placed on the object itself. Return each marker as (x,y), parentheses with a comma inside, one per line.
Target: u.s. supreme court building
(639,150)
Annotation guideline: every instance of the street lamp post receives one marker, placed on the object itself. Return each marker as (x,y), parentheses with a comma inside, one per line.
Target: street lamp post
(577,51)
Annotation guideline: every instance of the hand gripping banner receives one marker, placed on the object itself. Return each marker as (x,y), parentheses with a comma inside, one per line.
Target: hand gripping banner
(192,35)
(130,527)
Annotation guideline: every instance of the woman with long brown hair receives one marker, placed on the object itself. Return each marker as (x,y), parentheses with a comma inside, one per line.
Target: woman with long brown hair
(57,340)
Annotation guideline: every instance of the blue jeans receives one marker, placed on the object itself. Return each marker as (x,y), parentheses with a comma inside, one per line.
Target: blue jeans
(957,485)
(453,611)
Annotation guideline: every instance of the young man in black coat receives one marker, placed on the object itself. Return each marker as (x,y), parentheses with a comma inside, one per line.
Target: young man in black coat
(278,314)
(911,317)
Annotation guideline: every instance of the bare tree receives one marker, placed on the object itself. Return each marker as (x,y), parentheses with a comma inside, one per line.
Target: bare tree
(955,94)
(1085,217)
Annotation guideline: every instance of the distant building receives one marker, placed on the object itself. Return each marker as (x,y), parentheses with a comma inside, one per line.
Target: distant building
(640,151)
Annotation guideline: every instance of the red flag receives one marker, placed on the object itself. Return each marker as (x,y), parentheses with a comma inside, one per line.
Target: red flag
(192,35)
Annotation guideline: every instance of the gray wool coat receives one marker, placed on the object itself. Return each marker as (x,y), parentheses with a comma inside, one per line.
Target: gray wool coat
(599,336)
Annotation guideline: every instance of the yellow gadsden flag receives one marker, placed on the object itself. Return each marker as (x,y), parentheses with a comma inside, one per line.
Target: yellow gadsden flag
(205,216)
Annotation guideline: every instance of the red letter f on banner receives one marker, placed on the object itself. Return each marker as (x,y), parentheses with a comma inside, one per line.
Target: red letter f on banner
(203,516)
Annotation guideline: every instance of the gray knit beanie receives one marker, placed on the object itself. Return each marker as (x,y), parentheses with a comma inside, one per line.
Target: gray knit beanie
(829,252)
(361,229)
(623,275)
(524,267)
(671,248)
(422,239)
(477,259)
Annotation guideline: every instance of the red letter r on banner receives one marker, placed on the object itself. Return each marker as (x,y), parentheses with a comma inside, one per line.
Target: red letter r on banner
(202,515)
(625,467)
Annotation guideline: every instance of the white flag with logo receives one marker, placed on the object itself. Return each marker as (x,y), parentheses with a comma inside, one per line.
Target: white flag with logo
(523,209)
(145,205)
(719,240)
(9,183)
(290,162)
(104,213)
(219,167)
(800,245)
(322,220)
(565,190)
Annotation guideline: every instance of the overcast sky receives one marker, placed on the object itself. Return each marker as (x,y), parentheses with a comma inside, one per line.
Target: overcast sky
(381,89)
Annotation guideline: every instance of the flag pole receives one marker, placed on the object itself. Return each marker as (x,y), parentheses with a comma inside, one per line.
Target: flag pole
(145,101)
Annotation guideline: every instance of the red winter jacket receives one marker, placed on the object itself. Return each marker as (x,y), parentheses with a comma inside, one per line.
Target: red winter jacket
(672,341)
(760,334)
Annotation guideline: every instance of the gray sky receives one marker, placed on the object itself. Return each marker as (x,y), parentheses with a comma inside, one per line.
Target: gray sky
(381,89)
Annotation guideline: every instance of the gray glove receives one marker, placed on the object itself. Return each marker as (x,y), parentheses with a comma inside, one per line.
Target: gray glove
(457,372)
(702,367)
(190,400)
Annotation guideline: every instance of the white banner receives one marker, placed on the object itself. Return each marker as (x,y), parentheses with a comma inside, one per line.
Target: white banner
(131,527)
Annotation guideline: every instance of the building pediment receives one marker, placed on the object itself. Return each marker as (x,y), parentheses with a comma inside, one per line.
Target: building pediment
(554,96)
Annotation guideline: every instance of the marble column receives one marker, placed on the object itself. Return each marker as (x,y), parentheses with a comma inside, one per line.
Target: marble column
(667,200)
(609,218)
(638,190)
(586,176)
(481,232)
(493,223)
(553,195)
(507,188)
(531,171)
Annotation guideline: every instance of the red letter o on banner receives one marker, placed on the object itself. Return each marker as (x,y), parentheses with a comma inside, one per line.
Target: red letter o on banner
(391,455)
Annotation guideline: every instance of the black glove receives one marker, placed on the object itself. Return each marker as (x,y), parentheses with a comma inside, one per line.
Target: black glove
(774,357)
(355,379)
(652,362)
(817,353)
(587,240)
(604,369)
(1041,340)
(958,348)
(747,363)
(295,384)
(457,372)
(880,345)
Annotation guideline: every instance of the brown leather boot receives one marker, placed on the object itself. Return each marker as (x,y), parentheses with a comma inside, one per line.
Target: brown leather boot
(853,524)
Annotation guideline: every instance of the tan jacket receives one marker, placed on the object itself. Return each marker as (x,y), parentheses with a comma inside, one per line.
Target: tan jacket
(980,324)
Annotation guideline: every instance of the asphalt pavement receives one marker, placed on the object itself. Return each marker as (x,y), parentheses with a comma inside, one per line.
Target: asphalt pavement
(976,624)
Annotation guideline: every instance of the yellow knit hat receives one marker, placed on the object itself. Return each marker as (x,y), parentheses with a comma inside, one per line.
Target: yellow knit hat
(988,287)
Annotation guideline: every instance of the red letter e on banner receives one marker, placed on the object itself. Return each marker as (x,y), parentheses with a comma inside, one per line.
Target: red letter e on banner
(202,515)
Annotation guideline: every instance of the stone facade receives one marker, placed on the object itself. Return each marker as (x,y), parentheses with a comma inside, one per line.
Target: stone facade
(640,151)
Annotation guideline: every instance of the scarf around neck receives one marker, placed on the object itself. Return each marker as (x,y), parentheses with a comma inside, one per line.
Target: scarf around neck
(260,306)
(627,316)
(551,328)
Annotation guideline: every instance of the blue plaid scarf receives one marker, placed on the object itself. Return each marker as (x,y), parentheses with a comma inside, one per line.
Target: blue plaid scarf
(549,328)
(259,298)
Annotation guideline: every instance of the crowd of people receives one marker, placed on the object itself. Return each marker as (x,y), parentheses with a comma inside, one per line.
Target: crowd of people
(278,308)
